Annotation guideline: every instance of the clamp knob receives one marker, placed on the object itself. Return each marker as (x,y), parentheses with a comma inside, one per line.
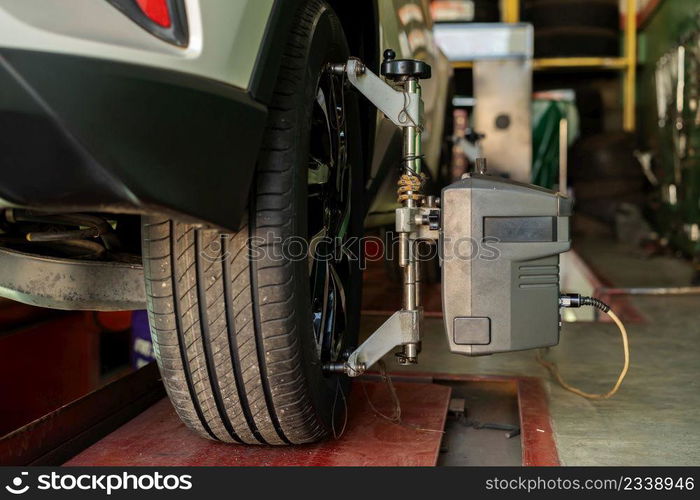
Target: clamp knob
(434,220)
(473,136)
(396,69)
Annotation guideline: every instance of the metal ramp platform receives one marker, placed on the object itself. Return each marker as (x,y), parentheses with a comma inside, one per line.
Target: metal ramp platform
(158,438)
(130,422)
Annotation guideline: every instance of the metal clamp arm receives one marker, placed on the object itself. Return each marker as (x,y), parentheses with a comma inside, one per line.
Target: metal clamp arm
(402,327)
(402,108)
(405,109)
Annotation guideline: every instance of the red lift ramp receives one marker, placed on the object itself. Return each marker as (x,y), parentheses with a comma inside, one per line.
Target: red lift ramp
(158,438)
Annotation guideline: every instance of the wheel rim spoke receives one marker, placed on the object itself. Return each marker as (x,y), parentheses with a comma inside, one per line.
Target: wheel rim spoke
(313,247)
(329,181)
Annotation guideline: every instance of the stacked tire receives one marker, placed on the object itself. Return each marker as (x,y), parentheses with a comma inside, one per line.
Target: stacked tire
(487,11)
(574,28)
(605,173)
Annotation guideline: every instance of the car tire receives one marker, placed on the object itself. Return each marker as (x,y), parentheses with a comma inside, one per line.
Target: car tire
(487,11)
(234,325)
(605,156)
(567,41)
(573,13)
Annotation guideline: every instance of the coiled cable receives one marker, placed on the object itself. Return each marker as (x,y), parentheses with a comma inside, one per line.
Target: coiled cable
(575,300)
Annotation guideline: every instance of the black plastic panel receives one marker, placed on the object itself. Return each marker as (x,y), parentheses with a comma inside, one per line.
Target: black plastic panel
(87,134)
(520,229)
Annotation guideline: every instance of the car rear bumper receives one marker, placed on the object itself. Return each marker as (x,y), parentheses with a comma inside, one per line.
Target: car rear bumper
(86,134)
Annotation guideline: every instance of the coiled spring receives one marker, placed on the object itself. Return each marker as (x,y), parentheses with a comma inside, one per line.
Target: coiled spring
(410,187)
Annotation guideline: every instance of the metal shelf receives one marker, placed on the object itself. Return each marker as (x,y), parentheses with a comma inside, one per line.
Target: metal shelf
(603,63)
(627,64)
(595,63)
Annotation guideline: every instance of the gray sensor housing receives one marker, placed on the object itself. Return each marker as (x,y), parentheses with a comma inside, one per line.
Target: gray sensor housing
(500,246)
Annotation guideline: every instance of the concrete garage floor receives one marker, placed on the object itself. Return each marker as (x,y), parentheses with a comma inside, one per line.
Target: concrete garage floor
(655,417)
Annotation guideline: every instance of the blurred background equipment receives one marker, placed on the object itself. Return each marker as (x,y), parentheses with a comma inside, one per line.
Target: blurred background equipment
(675,77)
(469,11)
(501,54)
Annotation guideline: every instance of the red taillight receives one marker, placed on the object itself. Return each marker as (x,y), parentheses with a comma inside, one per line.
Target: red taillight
(156,10)
(166,19)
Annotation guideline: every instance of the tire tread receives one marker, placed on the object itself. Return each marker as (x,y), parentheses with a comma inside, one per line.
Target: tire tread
(223,324)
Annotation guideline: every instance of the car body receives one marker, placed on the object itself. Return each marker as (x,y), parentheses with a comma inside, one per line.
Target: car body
(99,115)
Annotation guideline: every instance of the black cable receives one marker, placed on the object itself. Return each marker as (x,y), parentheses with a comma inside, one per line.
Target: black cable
(577,300)
(597,303)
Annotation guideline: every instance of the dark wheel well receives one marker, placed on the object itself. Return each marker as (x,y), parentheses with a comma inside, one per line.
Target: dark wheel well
(360,21)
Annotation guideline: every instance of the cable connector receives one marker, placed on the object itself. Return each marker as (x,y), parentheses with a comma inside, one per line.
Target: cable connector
(577,300)
(570,300)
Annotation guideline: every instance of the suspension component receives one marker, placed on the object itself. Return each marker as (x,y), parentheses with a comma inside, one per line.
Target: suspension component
(92,235)
(410,186)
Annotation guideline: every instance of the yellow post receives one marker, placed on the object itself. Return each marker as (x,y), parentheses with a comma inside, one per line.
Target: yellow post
(510,11)
(630,75)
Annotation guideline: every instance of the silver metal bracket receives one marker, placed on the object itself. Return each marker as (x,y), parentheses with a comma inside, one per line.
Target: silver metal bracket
(402,327)
(403,108)
(422,223)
